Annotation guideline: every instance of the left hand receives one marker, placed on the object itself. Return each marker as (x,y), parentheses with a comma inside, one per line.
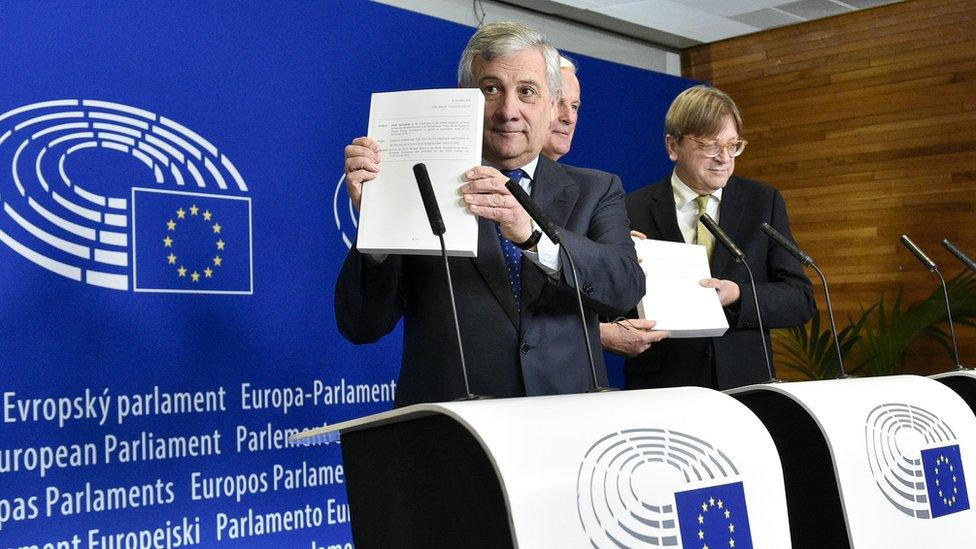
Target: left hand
(485,195)
(728,291)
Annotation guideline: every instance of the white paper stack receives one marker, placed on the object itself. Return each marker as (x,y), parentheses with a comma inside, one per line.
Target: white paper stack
(673,297)
(443,130)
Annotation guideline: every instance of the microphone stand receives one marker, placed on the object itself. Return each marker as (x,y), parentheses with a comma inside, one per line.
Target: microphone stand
(438,228)
(932,267)
(739,256)
(553,233)
(807,261)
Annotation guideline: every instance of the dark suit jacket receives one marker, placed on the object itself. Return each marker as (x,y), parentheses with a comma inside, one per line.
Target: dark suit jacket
(785,293)
(538,352)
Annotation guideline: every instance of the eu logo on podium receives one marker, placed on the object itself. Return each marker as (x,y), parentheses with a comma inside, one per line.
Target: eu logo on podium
(944,480)
(714,517)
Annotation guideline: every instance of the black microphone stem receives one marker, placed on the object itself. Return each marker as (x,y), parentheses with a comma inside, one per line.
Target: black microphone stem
(457,326)
(762,331)
(952,330)
(833,325)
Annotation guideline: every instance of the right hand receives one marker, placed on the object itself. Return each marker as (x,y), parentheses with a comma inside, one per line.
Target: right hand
(362,164)
(630,337)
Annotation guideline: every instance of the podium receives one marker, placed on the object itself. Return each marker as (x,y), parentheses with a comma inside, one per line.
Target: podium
(963,382)
(872,462)
(683,467)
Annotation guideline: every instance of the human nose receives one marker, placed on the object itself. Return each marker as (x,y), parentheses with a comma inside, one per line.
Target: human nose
(508,107)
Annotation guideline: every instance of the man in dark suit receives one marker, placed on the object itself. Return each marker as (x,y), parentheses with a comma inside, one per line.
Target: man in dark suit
(516,302)
(703,137)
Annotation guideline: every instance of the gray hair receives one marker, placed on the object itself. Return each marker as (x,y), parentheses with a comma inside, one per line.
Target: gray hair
(568,63)
(507,38)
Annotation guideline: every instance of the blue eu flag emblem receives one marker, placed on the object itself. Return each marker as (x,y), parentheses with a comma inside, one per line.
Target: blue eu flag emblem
(944,480)
(191,242)
(714,517)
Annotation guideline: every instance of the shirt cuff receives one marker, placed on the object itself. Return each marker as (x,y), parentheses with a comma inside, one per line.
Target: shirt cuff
(546,255)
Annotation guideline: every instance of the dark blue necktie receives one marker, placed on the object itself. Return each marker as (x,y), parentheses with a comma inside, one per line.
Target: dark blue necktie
(513,255)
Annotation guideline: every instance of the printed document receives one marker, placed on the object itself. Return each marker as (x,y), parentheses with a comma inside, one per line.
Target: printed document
(674,298)
(443,130)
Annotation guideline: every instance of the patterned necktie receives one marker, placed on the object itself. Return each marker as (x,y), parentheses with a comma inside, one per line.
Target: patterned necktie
(513,255)
(702,235)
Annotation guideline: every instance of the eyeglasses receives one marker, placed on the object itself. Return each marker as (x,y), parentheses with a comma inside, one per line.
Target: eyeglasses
(714,148)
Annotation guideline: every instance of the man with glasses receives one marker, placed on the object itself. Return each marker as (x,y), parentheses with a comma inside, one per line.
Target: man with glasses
(703,138)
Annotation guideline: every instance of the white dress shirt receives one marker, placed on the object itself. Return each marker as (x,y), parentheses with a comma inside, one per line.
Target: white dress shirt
(686,208)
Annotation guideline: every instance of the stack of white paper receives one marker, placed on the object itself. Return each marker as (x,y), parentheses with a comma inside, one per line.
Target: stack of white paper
(674,298)
(442,129)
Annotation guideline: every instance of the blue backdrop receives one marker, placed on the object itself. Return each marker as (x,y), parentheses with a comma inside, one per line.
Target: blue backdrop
(172,230)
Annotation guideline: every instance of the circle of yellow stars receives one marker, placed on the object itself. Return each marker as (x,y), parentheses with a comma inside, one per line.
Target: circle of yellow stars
(706,506)
(946,500)
(173,259)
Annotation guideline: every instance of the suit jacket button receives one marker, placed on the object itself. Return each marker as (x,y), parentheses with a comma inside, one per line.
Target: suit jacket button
(525,348)
(587,288)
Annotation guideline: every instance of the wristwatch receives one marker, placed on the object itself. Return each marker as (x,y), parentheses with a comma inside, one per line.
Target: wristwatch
(531,242)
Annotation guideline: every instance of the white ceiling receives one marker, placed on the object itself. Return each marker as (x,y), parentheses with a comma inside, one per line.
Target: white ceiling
(682,23)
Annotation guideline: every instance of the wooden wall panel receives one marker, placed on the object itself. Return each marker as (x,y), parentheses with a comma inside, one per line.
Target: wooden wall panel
(867,124)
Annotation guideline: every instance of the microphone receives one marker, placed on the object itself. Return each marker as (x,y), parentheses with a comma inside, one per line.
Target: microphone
(722,237)
(430,202)
(928,263)
(437,227)
(738,255)
(807,261)
(534,212)
(553,233)
(966,260)
(932,267)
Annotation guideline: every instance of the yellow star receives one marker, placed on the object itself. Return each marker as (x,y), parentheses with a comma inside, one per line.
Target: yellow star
(701,534)
(701,519)
(727,513)
(168,242)
(181,213)
(207,215)
(731,542)
(182,271)
(171,225)
(208,272)
(218,260)
(195,276)
(194,209)
(711,501)
(720,504)
(704,507)
(172,259)
(731,528)
(216,228)
(220,244)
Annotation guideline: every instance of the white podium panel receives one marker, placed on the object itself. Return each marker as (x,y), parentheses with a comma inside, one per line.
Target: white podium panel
(900,449)
(684,467)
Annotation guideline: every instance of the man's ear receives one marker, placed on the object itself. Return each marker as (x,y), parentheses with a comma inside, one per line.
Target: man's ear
(672,146)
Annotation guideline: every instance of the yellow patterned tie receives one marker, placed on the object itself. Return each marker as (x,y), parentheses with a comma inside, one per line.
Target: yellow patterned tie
(702,235)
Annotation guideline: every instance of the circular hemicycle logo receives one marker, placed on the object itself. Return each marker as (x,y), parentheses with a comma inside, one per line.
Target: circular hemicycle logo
(61,213)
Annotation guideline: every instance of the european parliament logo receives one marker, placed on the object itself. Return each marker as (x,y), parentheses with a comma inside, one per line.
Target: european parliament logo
(658,487)
(914,461)
(714,517)
(182,222)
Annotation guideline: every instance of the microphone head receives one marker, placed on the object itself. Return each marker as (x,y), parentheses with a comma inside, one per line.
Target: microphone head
(430,201)
(960,255)
(786,244)
(918,253)
(721,236)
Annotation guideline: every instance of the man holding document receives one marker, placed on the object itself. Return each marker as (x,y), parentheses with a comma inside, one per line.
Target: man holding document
(516,303)
(703,137)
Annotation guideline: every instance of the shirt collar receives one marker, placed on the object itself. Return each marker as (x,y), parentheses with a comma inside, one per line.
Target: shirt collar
(683,194)
(529,168)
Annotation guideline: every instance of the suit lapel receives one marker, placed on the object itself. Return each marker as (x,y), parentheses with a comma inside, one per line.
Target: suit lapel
(729,219)
(663,215)
(491,264)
